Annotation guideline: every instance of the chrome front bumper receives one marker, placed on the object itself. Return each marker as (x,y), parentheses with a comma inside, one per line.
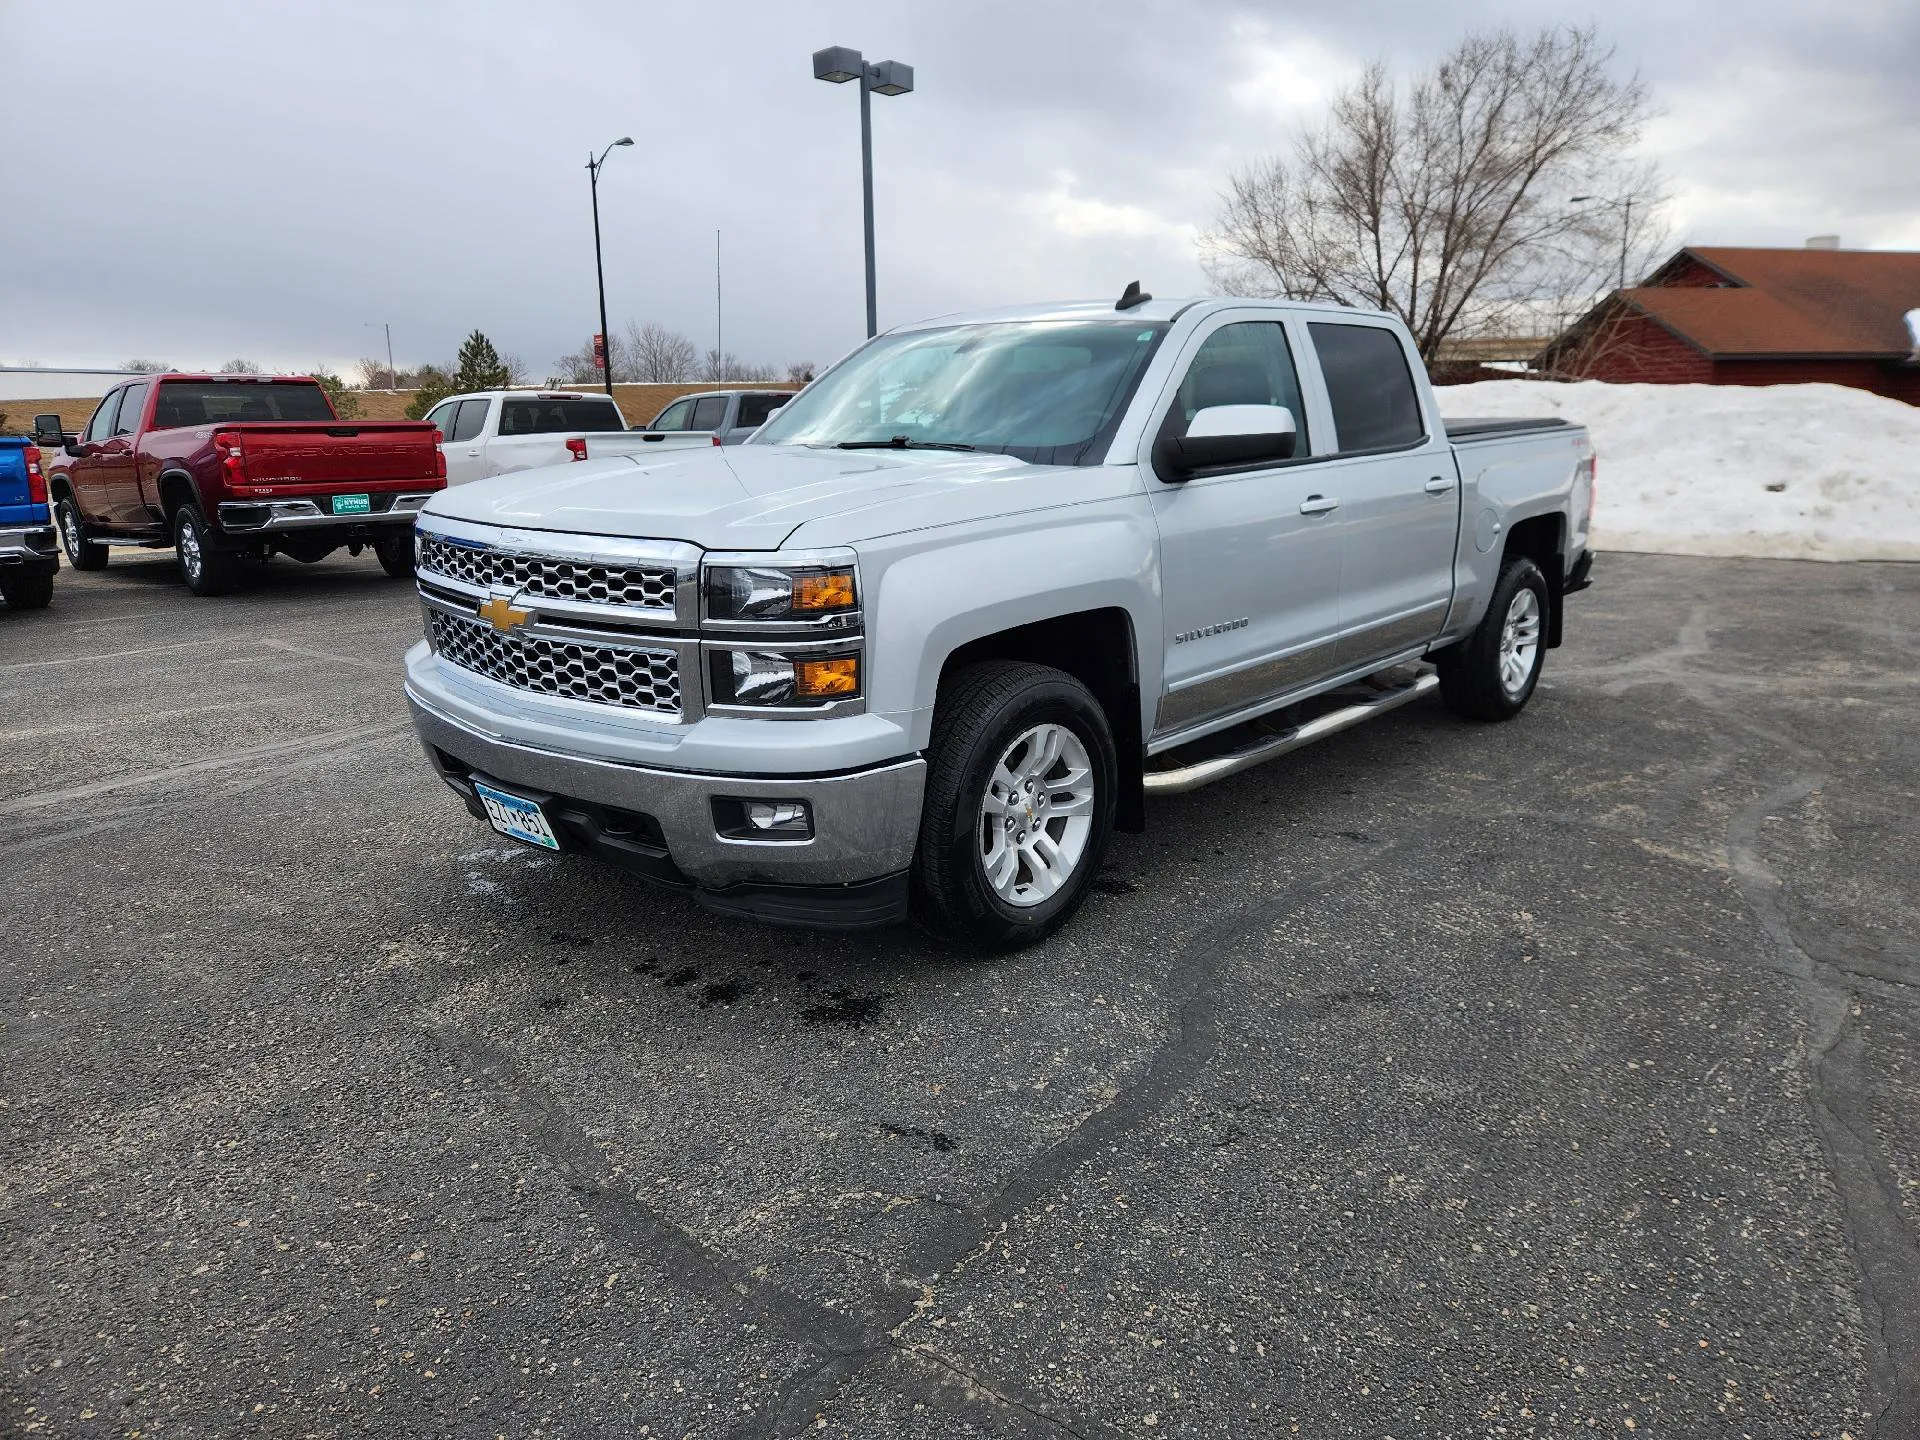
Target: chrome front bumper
(865,823)
(262,517)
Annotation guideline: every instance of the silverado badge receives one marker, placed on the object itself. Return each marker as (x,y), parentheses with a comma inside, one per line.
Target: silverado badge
(501,613)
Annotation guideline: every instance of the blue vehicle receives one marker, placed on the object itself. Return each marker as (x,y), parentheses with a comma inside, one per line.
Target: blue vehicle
(29,555)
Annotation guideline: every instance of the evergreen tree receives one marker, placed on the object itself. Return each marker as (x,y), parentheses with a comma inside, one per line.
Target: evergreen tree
(480,366)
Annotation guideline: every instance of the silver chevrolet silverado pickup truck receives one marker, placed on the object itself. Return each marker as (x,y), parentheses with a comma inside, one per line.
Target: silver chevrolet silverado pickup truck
(980,590)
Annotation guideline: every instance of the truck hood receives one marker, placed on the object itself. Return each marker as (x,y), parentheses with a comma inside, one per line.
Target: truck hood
(753,497)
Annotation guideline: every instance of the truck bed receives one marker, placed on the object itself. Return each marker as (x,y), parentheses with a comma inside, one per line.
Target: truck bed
(1481,429)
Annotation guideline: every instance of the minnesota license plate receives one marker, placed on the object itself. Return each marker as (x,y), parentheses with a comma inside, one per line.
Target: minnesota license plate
(352,504)
(517,819)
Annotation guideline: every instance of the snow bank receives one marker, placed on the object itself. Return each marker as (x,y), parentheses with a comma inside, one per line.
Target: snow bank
(1800,472)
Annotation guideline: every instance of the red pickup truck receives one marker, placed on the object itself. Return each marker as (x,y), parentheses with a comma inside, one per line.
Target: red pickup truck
(230,467)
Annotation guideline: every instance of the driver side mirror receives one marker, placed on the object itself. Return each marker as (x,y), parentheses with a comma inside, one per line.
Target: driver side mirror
(1227,435)
(48,434)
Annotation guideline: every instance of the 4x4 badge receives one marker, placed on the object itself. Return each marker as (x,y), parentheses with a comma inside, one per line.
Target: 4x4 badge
(501,613)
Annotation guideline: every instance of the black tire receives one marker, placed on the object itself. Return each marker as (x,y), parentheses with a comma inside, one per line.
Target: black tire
(82,553)
(28,592)
(1472,681)
(395,556)
(207,569)
(983,711)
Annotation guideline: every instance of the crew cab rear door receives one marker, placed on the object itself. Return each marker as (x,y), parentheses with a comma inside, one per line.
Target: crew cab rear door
(119,460)
(1250,565)
(1397,487)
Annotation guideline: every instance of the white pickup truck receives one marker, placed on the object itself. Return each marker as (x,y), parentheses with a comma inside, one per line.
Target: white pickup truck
(496,432)
(976,595)
(717,417)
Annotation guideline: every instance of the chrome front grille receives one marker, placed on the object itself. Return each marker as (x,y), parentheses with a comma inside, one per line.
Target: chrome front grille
(636,679)
(547,576)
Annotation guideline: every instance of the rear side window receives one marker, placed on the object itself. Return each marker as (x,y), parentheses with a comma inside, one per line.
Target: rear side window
(674,417)
(130,405)
(1375,404)
(709,412)
(471,417)
(215,402)
(754,409)
(554,417)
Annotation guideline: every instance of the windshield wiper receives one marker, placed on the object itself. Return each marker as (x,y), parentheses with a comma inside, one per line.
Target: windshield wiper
(901,442)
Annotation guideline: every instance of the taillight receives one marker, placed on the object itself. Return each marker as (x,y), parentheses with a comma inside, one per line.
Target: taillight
(716,439)
(233,464)
(440,462)
(1593,485)
(36,477)
(577,447)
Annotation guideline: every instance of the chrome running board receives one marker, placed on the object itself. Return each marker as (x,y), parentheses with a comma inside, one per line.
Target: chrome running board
(1266,747)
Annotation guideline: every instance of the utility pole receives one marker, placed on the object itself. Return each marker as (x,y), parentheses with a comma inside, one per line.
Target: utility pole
(836,65)
(393,379)
(719,329)
(599,274)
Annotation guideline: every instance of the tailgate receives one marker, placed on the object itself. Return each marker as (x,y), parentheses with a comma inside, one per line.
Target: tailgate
(17,505)
(340,455)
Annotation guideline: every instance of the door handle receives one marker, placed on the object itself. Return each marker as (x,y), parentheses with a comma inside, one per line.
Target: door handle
(1318,505)
(1439,485)
(473,452)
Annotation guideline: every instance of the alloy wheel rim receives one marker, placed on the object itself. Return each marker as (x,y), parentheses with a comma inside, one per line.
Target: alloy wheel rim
(1519,642)
(69,531)
(190,550)
(1036,817)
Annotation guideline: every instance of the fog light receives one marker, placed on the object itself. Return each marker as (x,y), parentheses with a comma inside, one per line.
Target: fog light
(781,815)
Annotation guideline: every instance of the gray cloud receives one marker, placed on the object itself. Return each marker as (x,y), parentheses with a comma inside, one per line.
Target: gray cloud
(238,178)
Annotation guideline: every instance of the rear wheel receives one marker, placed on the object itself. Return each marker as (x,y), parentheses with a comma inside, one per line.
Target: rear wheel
(206,569)
(28,592)
(395,556)
(83,553)
(1492,673)
(1019,807)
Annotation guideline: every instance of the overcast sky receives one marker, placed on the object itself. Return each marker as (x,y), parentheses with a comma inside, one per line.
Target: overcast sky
(196,180)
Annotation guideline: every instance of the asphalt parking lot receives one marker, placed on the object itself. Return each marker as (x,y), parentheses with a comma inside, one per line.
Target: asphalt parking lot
(1444,1080)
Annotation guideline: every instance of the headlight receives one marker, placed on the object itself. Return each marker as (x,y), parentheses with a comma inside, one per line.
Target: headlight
(761,677)
(769,592)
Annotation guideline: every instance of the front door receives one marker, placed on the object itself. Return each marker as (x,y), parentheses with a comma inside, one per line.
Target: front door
(1249,558)
(1394,476)
(88,471)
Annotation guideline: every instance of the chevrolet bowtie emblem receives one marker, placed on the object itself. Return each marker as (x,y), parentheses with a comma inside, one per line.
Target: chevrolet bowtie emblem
(501,613)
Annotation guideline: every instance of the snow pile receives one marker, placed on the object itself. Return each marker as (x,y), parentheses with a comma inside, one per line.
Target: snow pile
(1800,472)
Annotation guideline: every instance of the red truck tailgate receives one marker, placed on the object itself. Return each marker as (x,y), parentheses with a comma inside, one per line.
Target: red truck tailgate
(345,453)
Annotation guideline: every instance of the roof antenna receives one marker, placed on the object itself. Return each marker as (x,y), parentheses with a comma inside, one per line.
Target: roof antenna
(1133,296)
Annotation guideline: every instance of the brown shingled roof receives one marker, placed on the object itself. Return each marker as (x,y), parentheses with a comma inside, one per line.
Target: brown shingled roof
(1793,302)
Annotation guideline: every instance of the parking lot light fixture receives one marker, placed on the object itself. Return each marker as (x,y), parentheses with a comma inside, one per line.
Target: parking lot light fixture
(838,64)
(599,273)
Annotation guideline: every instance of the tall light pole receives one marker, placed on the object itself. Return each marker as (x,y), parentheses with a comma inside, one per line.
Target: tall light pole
(392,378)
(1625,206)
(599,274)
(838,64)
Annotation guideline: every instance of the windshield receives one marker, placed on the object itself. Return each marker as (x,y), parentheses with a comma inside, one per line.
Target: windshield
(1046,391)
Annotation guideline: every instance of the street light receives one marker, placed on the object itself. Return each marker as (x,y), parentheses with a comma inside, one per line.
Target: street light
(1625,206)
(383,325)
(599,274)
(838,64)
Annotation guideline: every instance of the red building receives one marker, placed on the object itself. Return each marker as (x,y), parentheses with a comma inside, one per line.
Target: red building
(1715,315)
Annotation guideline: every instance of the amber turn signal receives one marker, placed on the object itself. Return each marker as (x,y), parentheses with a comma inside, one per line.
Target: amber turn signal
(831,590)
(826,679)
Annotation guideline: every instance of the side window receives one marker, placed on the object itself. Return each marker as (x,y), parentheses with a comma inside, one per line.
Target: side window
(131,404)
(709,412)
(472,416)
(754,409)
(101,425)
(674,417)
(1375,404)
(1248,363)
(442,416)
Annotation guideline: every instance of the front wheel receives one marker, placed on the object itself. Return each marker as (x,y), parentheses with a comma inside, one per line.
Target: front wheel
(206,569)
(1492,673)
(395,557)
(1021,787)
(82,552)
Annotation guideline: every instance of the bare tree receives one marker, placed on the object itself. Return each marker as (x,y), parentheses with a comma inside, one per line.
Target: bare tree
(1445,200)
(729,366)
(374,374)
(146,367)
(801,372)
(240,367)
(656,354)
(516,368)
